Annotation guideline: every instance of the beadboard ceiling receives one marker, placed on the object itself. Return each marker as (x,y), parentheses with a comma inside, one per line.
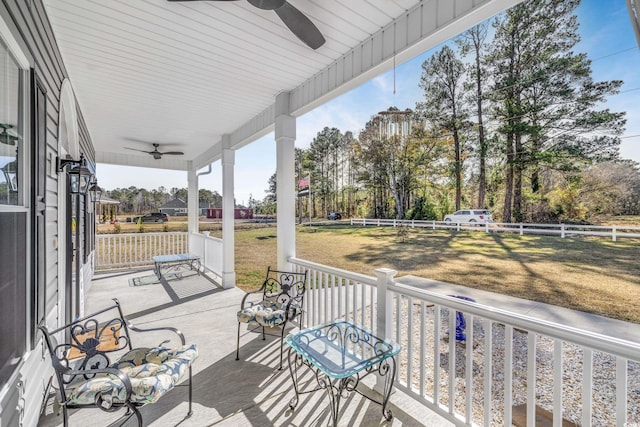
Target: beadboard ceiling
(185,74)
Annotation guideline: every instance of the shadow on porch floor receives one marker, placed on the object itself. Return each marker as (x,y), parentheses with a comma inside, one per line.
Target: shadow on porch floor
(226,392)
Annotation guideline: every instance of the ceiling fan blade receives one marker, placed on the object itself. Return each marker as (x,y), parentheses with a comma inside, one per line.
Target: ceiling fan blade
(173,153)
(267,4)
(135,149)
(300,25)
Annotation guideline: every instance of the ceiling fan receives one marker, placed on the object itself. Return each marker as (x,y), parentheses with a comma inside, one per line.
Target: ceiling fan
(295,20)
(157,154)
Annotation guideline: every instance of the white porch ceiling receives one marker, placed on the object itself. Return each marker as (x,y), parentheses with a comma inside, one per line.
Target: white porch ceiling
(185,74)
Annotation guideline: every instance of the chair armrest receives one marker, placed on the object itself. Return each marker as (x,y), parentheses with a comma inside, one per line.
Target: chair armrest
(165,328)
(244,299)
(109,371)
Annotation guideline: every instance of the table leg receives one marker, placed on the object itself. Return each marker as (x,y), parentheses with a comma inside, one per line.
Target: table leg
(388,370)
(293,370)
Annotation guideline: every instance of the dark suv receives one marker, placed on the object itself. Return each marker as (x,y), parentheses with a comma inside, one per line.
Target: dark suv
(152,217)
(334,216)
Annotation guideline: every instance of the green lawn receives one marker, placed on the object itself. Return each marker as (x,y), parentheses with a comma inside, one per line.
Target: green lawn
(594,275)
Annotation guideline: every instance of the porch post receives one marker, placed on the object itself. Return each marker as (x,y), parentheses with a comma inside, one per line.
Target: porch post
(228,214)
(384,312)
(192,202)
(285,135)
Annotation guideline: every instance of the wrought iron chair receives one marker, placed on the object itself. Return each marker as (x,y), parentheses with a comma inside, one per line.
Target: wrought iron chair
(87,378)
(281,298)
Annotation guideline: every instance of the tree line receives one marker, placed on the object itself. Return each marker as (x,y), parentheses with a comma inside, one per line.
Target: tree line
(511,121)
(134,200)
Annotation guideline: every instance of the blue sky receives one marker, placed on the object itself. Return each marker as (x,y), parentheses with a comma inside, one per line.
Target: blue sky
(606,35)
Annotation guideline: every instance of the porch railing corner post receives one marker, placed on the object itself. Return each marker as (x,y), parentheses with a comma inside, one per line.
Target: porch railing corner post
(384,312)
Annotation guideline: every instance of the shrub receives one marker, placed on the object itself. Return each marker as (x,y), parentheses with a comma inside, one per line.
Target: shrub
(117,229)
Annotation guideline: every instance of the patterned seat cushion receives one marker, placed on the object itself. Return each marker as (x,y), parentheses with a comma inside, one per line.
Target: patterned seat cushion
(267,313)
(152,372)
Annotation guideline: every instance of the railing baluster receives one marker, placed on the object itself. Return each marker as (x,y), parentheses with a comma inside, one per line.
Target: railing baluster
(333,297)
(557,383)
(410,344)
(587,386)
(354,290)
(488,371)
(531,378)
(325,280)
(452,360)
(436,355)
(621,391)
(508,373)
(363,301)
(346,299)
(469,371)
(423,346)
(372,292)
(340,297)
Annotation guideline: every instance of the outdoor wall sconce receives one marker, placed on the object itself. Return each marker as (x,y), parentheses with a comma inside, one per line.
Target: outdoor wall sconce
(78,172)
(95,193)
(10,172)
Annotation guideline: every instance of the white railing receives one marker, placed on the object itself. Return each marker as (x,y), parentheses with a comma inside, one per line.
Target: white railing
(588,378)
(333,293)
(136,249)
(562,230)
(209,249)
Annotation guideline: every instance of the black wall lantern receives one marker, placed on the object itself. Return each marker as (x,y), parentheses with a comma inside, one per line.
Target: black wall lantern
(95,193)
(78,172)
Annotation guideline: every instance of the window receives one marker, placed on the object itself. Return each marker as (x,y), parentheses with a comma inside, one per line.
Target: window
(11,138)
(14,219)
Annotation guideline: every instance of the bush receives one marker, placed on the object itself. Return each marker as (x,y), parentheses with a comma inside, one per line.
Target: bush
(165,227)
(117,229)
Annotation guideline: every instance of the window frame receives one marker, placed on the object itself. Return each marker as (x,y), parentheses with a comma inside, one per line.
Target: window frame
(20,211)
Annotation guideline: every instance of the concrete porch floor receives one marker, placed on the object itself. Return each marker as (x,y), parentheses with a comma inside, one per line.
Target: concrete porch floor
(226,392)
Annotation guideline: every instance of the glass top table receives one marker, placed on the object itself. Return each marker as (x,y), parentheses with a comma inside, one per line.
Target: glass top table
(341,353)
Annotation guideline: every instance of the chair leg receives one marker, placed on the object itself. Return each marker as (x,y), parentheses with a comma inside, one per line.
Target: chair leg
(190,392)
(281,346)
(131,407)
(65,416)
(238,344)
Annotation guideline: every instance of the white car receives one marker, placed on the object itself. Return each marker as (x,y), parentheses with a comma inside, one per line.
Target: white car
(469,216)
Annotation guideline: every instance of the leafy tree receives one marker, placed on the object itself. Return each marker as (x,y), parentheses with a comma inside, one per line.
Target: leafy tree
(473,41)
(442,81)
(545,99)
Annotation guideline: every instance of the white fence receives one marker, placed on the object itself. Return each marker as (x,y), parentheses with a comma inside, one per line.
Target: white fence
(562,230)
(209,249)
(136,249)
(508,360)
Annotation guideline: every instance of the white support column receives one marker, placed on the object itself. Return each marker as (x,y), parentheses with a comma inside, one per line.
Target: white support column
(192,202)
(285,135)
(228,213)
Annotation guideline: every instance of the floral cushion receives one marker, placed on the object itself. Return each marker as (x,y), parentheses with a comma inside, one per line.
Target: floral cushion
(152,372)
(267,313)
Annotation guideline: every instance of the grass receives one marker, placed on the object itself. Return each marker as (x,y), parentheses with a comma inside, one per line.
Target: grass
(594,275)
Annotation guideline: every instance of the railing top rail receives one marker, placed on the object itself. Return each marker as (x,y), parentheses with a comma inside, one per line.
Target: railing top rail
(498,224)
(618,347)
(206,236)
(160,233)
(356,277)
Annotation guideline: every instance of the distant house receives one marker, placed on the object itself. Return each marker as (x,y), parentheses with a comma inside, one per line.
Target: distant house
(174,207)
(239,213)
(202,208)
(178,207)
